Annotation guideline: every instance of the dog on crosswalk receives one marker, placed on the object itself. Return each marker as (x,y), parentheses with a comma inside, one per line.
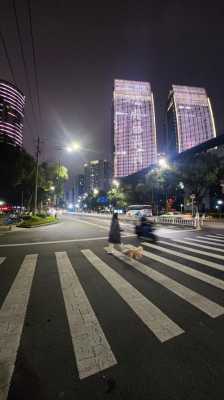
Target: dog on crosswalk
(133,252)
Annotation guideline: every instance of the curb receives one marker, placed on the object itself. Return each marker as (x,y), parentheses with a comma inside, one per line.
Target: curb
(38,226)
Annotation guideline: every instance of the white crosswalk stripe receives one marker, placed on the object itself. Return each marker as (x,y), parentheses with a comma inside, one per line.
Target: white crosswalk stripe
(210,238)
(187,270)
(92,350)
(205,253)
(202,303)
(1,260)
(198,244)
(162,326)
(12,316)
(204,240)
(216,235)
(198,260)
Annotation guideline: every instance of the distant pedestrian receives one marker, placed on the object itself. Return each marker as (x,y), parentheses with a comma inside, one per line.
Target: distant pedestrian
(115,232)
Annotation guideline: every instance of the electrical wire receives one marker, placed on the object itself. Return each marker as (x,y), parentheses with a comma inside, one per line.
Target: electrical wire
(7,56)
(34,56)
(4,45)
(23,56)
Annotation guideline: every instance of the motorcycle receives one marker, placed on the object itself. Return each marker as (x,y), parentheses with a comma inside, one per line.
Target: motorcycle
(146,232)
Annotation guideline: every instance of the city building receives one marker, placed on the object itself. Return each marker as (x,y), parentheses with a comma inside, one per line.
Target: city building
(12,103)
(190,119)
(134,127)
(79,185)
(97,175)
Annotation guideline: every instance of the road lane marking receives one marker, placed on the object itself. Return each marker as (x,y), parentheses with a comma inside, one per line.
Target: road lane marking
(205,241)
(92,350)
(12,316)
(210,238)
(205,253)
(187,270)
(1,260)
(195,299)
(221,239)
(60,241)
(218,235)
(187,257)
(155,320)
(199,245)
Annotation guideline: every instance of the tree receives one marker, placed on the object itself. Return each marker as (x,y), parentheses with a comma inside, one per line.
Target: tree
(199,173)
(117,197)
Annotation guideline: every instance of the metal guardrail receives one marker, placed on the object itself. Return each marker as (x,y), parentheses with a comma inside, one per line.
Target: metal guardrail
(175,221)
(196,223)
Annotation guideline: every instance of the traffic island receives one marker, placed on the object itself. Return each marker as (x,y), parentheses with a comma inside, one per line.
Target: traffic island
(35,222)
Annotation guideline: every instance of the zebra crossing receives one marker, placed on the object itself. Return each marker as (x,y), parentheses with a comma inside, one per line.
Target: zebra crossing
(93,351)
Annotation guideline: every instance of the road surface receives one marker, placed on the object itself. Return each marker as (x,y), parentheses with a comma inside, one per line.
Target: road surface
(78,323)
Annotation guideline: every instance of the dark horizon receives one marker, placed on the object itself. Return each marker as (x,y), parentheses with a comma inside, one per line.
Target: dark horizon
(81,50)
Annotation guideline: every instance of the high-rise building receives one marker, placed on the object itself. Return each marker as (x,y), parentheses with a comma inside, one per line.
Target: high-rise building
(190,119)
(79,185)
(134,127)
(98,175)
(12,103)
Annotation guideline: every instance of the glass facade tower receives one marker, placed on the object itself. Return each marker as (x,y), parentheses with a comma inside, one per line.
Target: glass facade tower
(134,127)
(12,103)
(190,119)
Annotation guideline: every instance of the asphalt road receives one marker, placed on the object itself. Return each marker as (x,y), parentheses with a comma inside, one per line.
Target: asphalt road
(78,323)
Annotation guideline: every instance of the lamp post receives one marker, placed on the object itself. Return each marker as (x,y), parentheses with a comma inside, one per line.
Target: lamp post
(192,199)
(219,207)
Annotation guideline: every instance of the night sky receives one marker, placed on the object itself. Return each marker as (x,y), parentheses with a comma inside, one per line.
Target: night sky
(82,47)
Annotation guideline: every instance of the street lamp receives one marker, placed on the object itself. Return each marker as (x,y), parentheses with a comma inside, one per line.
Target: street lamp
(181,208)
(192,199)
(96,191)
(220,202)
(52,188)
(75,146)
(163,163)
(116,183)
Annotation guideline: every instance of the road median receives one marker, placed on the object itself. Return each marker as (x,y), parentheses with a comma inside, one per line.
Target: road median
(35,222)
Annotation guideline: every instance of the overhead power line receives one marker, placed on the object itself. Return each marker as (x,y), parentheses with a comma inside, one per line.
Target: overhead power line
(7,56)
(4,45)
(34,56)
(23,56)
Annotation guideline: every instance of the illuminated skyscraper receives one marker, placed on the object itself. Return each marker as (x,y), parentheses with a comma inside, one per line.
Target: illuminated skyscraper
(12,103)
(134,127)
(97,175)
(189,118)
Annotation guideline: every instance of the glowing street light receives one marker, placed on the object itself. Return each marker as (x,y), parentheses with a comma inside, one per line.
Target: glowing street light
(220,202)
(52,188)
(75,146)
(163,163)
(116,183)
(2,202)
(96,191)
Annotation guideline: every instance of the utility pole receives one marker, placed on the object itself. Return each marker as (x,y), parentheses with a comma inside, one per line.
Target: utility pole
(37,174)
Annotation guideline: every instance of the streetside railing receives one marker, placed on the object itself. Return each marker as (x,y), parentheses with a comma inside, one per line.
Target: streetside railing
(175,221)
